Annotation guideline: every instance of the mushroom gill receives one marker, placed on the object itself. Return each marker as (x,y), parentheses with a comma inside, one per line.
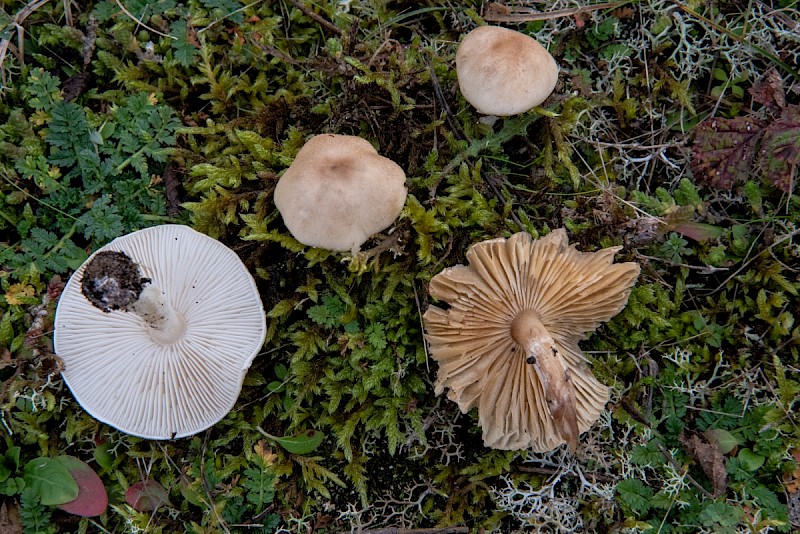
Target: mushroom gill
(508,342)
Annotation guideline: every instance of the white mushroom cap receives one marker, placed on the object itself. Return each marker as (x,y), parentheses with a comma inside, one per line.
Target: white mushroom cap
(338,192)
(504,72)
(175,381)
(508,343)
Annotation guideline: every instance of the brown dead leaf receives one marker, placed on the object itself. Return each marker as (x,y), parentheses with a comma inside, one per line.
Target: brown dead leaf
(75,85)
(768,91)
(9,519)
(710,459)
(172,189)
(622,13)
(265,453)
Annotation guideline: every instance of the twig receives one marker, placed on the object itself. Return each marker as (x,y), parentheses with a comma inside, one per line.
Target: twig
(599,477)
(67,13)
(704,269)
(227,15)
(272,51)
(448,113)
(678,467)
(5,44)
(497,12)
(142,24)
(206,488)
(396,530)
(320,20)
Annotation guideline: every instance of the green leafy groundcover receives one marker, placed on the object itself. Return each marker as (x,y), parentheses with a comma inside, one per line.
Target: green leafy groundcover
(669,134)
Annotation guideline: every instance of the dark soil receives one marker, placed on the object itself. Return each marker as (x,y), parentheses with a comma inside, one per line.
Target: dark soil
(112,281)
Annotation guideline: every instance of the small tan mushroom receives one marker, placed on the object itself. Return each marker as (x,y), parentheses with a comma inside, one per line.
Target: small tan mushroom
(338,192)
(508,342)
(504,72)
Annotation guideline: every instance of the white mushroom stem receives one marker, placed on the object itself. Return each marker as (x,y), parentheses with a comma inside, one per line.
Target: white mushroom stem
(541,352)
(165,324)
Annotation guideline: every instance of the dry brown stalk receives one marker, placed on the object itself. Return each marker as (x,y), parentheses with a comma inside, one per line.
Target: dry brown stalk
(497,12)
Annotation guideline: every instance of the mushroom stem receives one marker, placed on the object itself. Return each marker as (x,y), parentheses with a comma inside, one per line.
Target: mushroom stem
(165,324)
(542,353)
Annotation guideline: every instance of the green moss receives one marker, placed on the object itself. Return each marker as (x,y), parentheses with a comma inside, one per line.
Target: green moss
(192,112)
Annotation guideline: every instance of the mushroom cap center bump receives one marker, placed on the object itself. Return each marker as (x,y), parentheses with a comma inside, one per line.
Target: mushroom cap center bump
(527,329)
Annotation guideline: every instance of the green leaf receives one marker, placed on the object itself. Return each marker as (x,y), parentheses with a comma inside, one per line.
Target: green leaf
(260,486)
(750,460)
(280,371)
(184,50)
(329,313)
(228,9)
(50,480)
(724,439)
(302,443)
(720,514)
(103,456)
(635,495)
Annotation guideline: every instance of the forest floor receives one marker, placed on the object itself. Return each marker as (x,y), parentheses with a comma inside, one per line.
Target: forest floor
(673,133)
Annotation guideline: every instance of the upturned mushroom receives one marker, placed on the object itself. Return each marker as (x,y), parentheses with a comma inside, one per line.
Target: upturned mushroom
(504,72)
(338,192)
(157,330)
(508,341)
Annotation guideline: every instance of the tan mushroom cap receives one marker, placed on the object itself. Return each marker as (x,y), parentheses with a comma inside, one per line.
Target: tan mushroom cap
(338,192)
(184,376)
(504,72)
(508,342)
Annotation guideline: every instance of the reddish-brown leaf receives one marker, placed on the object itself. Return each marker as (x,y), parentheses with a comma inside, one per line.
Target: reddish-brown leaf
(780,149)
(724,150)
(146,496)
(768,91)
(92,499)
(710,459)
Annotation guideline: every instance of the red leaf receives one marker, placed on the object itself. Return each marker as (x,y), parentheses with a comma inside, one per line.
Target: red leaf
(92,499)
(724,150)
(780,149)
(698,231)
(146,496)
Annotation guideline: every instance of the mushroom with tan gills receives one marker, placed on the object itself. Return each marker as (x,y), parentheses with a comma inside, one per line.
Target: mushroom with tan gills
(508,341)
(504,72)
(338,192)
(157,330)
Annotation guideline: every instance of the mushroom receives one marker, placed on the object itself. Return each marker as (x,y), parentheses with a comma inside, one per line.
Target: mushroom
(508,341)
(157,330)
(504,72)
(338,192)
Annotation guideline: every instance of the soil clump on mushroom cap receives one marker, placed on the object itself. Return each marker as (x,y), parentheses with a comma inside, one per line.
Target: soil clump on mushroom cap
(112,281)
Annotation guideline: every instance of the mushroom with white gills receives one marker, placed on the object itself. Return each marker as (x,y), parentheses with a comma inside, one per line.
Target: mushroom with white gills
(339,191)
(508,342)
(504,72)
(157,330)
